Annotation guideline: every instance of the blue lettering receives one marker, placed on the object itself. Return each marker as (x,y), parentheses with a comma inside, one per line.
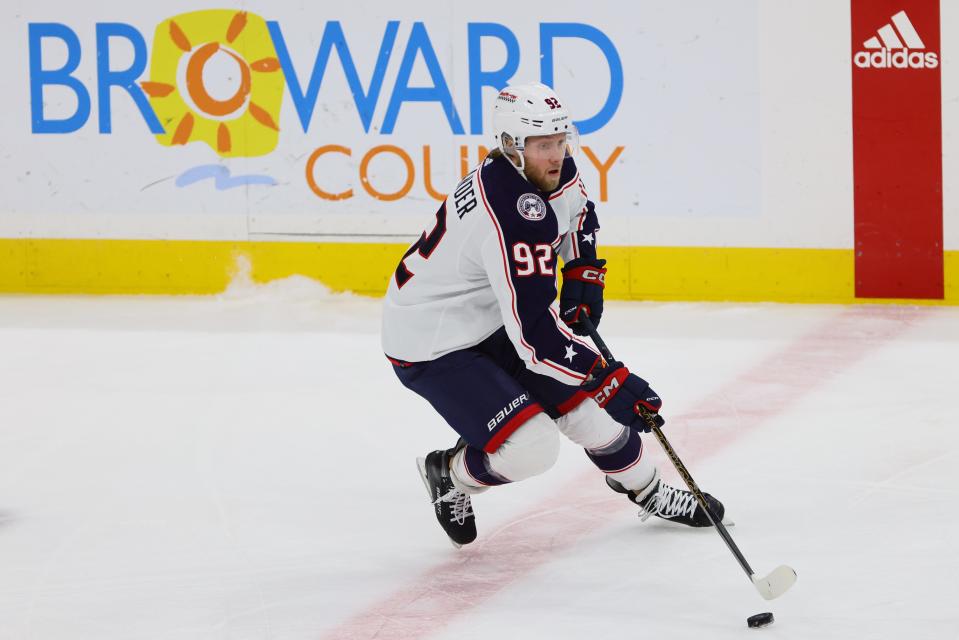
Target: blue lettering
(439,92)
(550,30)
(333,38)
(126,79)
(479,78)
(40,77)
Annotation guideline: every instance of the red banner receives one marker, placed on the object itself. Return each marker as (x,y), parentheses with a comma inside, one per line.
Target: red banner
(897,148)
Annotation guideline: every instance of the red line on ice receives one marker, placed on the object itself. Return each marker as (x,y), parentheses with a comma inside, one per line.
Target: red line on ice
(449,590)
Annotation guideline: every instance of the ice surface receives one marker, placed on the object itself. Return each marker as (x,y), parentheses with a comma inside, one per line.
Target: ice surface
(241,466)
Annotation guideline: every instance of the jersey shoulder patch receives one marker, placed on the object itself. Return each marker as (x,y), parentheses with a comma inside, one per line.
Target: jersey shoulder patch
(520,209)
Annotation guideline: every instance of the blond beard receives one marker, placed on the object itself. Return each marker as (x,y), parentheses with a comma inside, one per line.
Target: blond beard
(543,183)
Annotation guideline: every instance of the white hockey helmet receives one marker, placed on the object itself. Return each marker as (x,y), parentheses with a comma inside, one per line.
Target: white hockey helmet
(530,109)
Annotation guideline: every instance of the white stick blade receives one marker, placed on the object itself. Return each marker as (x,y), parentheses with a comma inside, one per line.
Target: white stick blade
(776,583)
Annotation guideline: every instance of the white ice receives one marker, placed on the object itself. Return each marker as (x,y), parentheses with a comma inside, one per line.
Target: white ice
(241,466)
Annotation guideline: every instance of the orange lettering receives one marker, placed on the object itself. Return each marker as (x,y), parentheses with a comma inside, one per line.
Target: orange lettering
(427,179)
(603,168)
(330,148)
(410,172)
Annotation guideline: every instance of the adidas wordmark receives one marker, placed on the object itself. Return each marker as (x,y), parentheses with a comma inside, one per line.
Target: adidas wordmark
(895,48)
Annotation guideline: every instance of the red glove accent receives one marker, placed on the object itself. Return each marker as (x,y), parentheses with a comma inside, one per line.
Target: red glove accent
(626,397)
(583,308)
(653,404)
(592,275)
(582,292)
(603,391)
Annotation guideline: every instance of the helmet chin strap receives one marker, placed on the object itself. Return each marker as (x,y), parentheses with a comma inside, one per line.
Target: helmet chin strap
(521,167)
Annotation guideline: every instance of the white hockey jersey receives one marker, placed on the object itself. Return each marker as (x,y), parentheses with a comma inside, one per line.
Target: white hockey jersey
(489,261)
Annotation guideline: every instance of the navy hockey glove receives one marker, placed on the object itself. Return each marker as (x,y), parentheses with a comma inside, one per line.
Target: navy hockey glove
(583,283)
(622,394)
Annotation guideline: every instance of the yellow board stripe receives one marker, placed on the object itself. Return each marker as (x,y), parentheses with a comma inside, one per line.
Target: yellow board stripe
(709,273)
(635,273)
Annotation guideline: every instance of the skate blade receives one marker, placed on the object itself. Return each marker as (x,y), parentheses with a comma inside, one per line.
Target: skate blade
(726,523)
(421,467)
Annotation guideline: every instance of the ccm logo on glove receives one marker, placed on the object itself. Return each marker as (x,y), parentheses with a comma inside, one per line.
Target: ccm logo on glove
(608,388)
(587,274)
(624,395)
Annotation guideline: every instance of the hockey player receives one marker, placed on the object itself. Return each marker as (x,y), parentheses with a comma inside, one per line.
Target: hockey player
(470,323)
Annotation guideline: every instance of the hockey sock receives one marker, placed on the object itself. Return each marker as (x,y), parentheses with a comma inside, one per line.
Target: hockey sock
(470,472)
(622,460)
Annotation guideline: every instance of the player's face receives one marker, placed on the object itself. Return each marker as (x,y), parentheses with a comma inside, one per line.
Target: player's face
(543,157)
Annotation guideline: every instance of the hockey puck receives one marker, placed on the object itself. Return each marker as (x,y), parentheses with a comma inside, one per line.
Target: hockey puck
(759,620)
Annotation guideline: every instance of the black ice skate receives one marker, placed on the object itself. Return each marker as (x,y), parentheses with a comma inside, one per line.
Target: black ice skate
(453,508)
(669,503)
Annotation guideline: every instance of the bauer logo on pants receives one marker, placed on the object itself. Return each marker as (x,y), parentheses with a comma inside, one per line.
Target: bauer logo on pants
(503,413)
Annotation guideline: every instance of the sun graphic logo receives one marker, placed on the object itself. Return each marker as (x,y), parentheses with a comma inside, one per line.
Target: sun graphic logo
(215,78)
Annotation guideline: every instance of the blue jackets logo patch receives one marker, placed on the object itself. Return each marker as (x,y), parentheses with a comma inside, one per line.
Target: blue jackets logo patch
(531,207)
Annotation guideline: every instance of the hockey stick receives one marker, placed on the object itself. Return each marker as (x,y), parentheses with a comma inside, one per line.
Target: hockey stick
(779,579)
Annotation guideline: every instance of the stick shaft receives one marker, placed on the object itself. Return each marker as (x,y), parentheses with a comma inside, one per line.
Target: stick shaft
(700,498)
(674,458)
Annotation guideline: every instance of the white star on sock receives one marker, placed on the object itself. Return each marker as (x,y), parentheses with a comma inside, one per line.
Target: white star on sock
(569,352)
(588,238)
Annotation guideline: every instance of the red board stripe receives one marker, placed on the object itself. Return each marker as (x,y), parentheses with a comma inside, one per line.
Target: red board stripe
(897,148)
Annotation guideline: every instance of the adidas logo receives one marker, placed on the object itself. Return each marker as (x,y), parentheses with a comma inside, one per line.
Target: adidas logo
(895,48)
